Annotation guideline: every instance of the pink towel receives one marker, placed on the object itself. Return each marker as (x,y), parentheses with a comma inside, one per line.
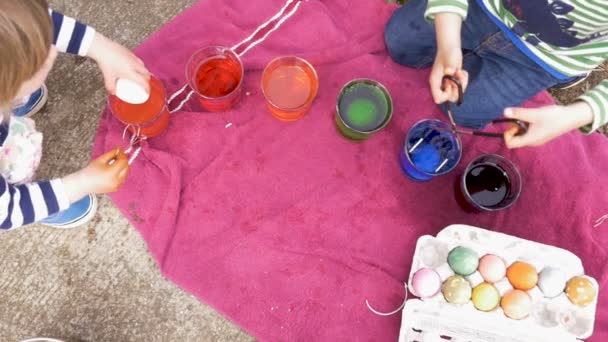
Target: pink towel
(286,228)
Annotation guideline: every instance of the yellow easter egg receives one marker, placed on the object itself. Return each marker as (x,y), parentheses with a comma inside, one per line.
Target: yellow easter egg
(485,297)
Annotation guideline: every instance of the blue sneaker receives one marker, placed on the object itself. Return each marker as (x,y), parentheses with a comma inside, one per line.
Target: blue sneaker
(34,104)
(78,214)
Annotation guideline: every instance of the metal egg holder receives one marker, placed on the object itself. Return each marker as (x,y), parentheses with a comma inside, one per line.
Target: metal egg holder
(434,319)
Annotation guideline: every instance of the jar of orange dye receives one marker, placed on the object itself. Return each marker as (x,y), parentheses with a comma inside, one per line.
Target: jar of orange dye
(147,119)
(290,85)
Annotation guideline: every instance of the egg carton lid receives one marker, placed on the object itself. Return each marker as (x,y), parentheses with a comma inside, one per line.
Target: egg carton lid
(473,325)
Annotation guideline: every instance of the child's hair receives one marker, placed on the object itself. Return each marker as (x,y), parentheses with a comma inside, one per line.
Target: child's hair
(26,34)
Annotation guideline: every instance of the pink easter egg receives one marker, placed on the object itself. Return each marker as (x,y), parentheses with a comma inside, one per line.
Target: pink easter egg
(492,268)
(426,283)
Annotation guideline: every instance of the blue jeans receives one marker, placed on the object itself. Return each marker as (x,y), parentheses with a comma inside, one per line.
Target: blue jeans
(500,75)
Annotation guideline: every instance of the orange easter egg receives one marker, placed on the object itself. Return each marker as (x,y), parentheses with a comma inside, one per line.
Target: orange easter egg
(581,291)
(522,276)
(516,304)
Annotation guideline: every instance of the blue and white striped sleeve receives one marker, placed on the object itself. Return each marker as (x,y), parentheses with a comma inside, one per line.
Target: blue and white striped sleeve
(28,203)
(70,35)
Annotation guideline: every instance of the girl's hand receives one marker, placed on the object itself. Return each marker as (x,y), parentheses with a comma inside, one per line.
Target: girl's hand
(116,61)
(104,174)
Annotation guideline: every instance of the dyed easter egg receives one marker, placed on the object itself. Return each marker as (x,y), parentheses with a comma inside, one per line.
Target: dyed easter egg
(581,291)
(456,290)
(551,281)
(516,304)
(522,275)
(463,261)
(485,297)
(426,283)
(131,92)
(492,268)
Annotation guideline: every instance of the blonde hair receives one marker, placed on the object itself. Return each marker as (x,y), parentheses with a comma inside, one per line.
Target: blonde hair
(26,34)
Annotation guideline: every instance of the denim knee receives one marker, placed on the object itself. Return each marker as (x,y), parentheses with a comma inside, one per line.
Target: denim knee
(409,39)
(469,116)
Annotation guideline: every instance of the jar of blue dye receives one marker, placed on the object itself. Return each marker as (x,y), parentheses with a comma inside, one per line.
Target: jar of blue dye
(431,149)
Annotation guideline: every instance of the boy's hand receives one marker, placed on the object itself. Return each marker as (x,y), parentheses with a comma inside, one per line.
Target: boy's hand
(104,174)
(546,123)
(447,63)
(116,61)
(449,58)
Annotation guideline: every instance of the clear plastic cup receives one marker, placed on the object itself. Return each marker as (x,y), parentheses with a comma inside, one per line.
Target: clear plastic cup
(148,119)
(215,74)
(431,149)
(489,183)
(290,85)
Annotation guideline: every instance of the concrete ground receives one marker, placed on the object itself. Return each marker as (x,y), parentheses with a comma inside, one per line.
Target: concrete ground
(97,283)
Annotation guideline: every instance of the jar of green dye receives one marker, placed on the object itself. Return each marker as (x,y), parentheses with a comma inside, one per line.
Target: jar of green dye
(364,107)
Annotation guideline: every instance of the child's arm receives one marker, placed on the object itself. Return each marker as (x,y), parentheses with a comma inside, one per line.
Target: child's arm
(114,60)
(597,98)
(448,16)
(25,204)
(70,35)
(434,7)
(547,123)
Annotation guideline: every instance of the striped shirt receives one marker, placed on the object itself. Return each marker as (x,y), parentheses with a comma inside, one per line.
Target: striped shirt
(70,35)
(568,37)
(28,203)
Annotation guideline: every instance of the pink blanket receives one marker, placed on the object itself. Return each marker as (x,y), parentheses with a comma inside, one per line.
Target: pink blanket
(286,228)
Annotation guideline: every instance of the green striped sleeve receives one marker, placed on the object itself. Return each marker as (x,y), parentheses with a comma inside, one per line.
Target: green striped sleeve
(434,7)
(597,98)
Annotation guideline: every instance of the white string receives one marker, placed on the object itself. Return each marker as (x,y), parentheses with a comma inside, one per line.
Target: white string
(600,221)
(255,43)
(261,27)
(134,155)
(252,45)
(181,104)
(388,313)
(124,131)
(177,93)
(135,140)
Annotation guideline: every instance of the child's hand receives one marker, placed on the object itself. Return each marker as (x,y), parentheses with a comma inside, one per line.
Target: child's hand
(546,123)
(108,172)
(449,58)
(116,61)
(445,65)
(104,174)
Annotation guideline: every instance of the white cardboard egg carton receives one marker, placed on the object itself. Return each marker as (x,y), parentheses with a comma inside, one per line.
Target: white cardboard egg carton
(459,323)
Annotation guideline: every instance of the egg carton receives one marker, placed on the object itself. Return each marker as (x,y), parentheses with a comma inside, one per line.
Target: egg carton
(551,320)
